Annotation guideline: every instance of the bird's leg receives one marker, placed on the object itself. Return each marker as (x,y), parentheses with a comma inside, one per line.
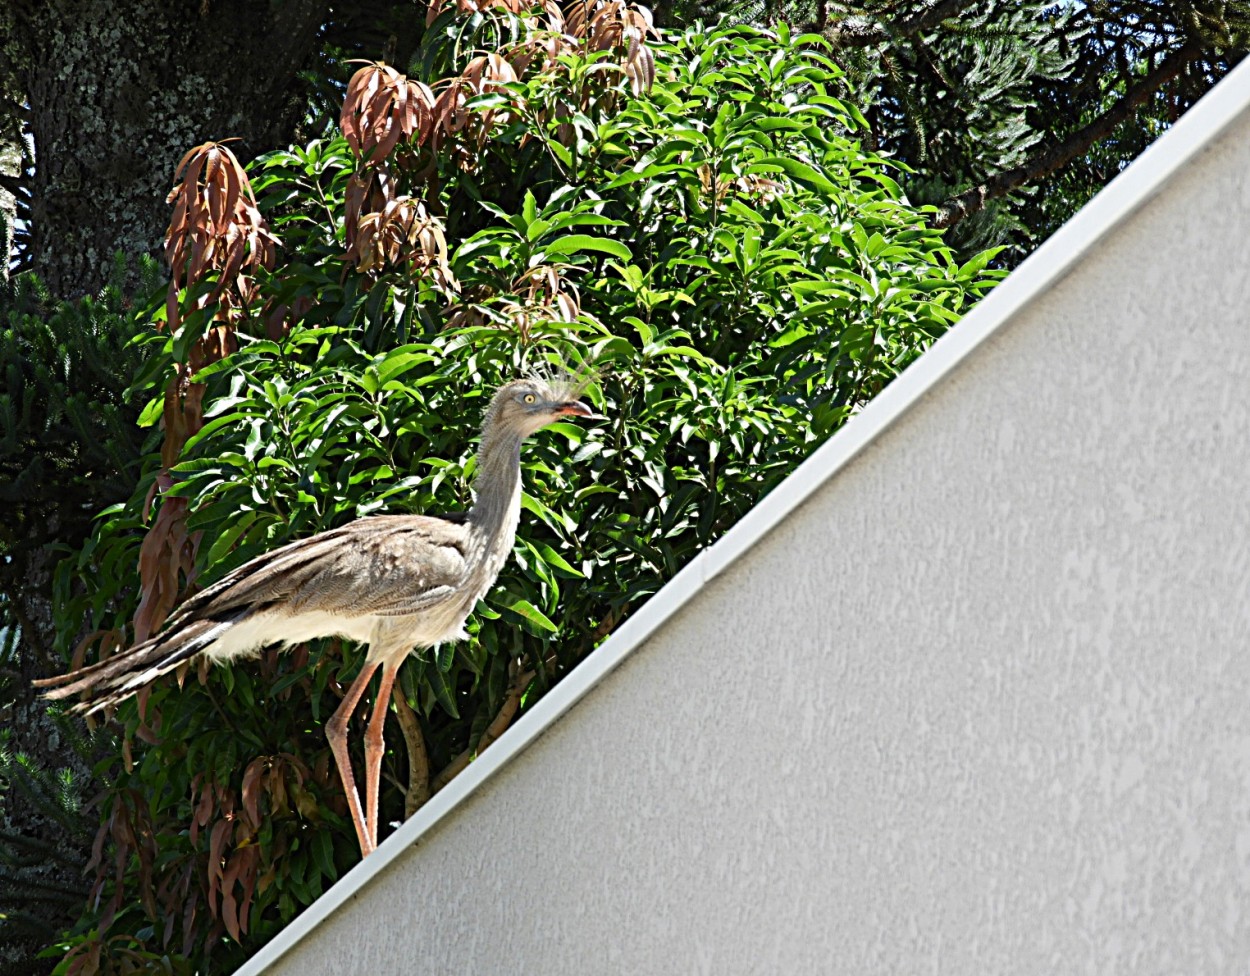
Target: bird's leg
(374,748)
(336,732)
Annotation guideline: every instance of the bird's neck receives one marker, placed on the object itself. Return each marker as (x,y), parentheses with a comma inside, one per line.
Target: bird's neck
(497,487)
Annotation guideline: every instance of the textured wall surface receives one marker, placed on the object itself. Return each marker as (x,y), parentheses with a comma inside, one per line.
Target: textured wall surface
(981,705)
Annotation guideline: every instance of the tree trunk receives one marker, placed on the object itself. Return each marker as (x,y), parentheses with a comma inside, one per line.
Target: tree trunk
(119,91)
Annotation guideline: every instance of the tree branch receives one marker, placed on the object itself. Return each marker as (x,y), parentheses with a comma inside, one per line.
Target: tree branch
(860,32)
(1078,143)
(418,759)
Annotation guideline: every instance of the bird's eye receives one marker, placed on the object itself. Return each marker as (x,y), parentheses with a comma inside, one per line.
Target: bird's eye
(530,398)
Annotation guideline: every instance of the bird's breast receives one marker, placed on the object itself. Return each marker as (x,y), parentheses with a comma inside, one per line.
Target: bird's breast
(486,550)
(394,638)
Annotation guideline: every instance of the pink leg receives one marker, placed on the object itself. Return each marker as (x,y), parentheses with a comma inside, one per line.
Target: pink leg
(374,748)
(336,732)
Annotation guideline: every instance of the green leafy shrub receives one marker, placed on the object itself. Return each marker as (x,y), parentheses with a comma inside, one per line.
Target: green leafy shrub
(68,441)
(741,272)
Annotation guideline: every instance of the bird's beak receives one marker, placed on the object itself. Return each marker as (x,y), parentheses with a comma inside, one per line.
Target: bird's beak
(573,408)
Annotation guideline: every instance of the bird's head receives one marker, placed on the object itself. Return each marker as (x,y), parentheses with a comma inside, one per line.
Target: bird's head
(523,406)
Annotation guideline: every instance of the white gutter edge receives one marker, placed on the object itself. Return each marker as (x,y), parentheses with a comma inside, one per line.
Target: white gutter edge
(1131,190)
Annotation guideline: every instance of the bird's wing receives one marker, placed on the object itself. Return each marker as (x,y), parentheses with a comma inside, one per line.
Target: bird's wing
(386,564)
(391,568)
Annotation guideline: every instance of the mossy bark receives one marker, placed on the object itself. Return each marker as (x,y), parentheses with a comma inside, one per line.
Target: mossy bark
(119,91)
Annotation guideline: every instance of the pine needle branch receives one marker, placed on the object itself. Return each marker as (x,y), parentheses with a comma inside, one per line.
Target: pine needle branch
(859,32)
(1053,158)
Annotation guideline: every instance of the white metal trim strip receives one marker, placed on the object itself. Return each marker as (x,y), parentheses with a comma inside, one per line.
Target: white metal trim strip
(1192,133)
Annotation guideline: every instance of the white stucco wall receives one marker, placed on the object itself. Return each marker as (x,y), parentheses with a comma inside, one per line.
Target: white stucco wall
(981,705)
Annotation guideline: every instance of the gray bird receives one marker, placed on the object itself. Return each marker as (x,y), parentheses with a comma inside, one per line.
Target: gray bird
(394,582)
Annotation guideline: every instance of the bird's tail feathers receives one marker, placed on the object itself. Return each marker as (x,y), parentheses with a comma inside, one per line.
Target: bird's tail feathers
(113,680)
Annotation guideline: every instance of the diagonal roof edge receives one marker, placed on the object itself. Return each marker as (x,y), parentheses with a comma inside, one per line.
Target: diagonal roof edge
(1132,189)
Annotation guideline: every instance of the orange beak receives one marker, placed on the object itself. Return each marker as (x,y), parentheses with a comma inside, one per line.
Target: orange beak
(574,408)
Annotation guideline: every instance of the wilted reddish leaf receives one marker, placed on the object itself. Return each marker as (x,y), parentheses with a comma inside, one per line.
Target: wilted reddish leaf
(214,218)
(382,107)
(97,847)
(251,789)
(203,808)
(248,871)
(275,786)
(478,6)
(216,859)
(620,27)
(84,959)
(158,569)
(403,232)
(215,230)
(359,91)
(237,864)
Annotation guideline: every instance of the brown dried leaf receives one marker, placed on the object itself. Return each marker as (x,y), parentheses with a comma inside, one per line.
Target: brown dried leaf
(203,812)
(251,789)
(276,785)
(229,906)
(247,880)
(359,90)
(216,860)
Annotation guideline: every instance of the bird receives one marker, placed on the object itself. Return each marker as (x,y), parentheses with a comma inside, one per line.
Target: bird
(397,583)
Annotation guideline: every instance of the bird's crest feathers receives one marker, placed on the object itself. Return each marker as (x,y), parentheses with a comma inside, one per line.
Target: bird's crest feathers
(564,382)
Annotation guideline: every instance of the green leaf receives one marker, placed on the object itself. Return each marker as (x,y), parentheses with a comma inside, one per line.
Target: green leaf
(572,244)
(796,169)
(443,692)
(323,854)
(255,438)
(152,412)
(529,208)
(555,560)
(399,362)
(531,613)
(978,262)
(554,519)
(229,535)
